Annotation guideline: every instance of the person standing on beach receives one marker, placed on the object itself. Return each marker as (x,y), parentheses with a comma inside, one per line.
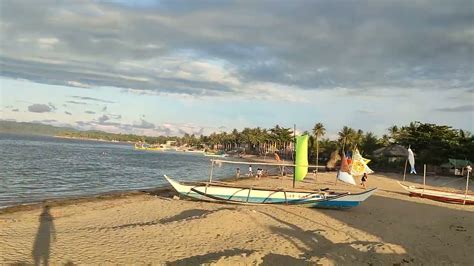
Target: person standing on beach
(277,157)
(250,171)
(237,173)
(259,173)
(363,180)
(278,160)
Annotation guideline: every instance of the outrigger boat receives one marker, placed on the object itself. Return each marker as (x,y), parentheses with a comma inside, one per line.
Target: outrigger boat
(146,147)
(465,198)
(439,195)
(255,195)
(231,193)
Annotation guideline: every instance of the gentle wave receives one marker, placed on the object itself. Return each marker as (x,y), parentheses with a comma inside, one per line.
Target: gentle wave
(35,168)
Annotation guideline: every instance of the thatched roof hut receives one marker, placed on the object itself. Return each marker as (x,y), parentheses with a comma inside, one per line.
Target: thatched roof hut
(456,166)
(392,151)
(334,158)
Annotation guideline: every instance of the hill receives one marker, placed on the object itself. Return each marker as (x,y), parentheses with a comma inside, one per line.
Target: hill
(32,128)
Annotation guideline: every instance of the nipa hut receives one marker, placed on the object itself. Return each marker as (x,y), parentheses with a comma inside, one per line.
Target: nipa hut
(455,166)
(393,153)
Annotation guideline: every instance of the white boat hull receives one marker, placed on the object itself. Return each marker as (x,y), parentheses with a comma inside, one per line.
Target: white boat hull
(249,195)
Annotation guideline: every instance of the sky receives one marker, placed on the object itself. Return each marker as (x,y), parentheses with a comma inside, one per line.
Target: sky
(174,67)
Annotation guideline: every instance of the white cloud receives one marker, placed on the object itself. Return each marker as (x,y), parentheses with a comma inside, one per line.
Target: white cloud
(77,84)
(47,43)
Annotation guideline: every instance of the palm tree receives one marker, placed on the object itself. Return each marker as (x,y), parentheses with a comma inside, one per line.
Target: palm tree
(358,138)
(282,137)
(235,138)
(385,140)
(394,131)
(369,143)
(318,131)
(346,136)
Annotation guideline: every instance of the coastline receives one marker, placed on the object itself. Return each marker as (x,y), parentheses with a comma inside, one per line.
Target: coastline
(167,191)
(159,191)
(91,139)
(64,200)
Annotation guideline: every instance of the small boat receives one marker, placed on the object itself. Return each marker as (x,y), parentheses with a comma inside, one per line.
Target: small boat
(207,154)
(146,147)
(254,195)
(194,151)
(439,195)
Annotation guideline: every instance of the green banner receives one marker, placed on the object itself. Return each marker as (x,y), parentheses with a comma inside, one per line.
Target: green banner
(301,157)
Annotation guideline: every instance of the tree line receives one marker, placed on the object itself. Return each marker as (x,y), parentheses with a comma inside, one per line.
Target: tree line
(432,144)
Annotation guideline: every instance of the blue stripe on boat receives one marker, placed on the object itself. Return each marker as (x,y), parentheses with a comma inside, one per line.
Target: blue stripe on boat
(335,204)
(330,204)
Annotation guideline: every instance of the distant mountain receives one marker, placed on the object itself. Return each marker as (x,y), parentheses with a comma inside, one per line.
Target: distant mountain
(32,128)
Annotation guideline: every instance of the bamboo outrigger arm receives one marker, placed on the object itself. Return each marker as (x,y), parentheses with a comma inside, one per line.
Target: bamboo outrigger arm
(263,163)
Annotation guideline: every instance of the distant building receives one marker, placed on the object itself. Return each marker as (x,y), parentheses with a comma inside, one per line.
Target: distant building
(170,145)
(393,153)
(455,166)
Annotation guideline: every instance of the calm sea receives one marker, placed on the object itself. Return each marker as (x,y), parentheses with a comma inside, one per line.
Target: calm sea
(34,168)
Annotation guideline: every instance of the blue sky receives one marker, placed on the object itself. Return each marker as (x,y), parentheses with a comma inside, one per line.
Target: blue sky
(174,67)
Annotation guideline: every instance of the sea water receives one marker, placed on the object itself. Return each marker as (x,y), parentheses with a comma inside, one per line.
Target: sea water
(35,168)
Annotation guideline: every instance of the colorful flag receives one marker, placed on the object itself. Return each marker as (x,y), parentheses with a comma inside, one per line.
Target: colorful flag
(344,174)
(345,164)
(301,159)
(359,164)
(346,177)
(411,159)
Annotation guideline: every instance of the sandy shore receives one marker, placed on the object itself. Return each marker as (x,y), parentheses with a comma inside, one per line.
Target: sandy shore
(390,228)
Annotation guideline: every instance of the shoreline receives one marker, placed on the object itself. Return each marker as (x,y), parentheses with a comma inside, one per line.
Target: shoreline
(65,201)
(160,191)
(90,139)
(153,227)
(166,191)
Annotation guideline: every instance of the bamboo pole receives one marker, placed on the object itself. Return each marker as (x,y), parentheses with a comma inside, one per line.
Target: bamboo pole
(317,157)
(263,163)
(467,187)
(405,170)
(343,154)
(424,179)
(210,174)
(294,155)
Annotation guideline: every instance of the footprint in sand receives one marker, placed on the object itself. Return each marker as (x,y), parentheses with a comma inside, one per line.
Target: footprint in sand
(458,228)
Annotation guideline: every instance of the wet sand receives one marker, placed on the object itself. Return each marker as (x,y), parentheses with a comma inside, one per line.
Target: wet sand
(390,228)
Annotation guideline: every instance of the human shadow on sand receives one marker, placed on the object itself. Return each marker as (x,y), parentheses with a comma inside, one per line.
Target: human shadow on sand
(209,257)
(44,237)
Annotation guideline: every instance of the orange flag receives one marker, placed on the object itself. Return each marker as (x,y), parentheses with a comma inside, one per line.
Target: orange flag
(344,164)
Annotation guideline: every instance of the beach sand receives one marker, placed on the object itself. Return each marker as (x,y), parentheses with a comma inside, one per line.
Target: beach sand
(390,228)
